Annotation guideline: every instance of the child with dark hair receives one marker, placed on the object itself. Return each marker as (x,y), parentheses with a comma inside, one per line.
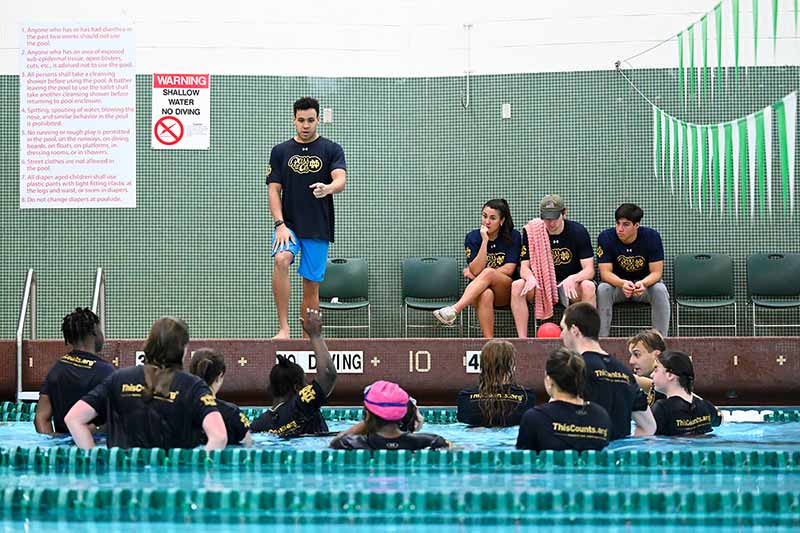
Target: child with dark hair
(156,405)
(385,406)
(296,406)
(209,365)
(566,422)
(497,401)
(75,374)
(493,253)
(682,412)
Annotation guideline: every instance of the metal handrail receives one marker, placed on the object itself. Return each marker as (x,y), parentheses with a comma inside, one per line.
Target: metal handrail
(99,298)
(28,305)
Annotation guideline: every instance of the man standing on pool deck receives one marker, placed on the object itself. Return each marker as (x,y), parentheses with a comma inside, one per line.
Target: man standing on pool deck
(303,175)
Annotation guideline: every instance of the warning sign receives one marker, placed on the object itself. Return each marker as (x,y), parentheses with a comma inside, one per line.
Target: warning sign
(181,112)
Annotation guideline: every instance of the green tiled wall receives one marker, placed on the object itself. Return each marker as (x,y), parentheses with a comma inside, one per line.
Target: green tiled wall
(420,167)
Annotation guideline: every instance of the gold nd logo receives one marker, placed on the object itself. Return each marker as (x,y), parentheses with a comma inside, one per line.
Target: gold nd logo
(307,394)
(269,170)
(630,264)
(561,256)
(244,419)
(303,164)
(467,252)
(208,400)
(599,251)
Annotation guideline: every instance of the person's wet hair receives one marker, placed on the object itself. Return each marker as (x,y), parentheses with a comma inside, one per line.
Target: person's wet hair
(163,355)
(650,338)
(585,317)
(207,364)
(679,364)
(497,375)
(286,377)
(567,370)
(78,325)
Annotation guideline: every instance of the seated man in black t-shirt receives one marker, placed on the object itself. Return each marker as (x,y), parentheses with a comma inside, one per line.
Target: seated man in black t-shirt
(608,382)
(497,400)
(567,421)
(296,406)
(75,374)
(682,412)
(645,347)
(573,262)
(385,407)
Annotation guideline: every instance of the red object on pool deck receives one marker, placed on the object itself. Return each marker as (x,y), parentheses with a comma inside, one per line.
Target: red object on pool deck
(548,330)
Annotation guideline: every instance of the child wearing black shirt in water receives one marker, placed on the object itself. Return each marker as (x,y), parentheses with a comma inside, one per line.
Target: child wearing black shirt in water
(296,406)
(566,422)
(209,365)
(385,410)
(682,412)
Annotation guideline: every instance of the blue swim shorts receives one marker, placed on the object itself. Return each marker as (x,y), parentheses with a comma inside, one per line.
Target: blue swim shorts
(313,256)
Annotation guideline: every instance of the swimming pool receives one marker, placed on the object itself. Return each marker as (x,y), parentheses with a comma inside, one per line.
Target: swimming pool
(747,475)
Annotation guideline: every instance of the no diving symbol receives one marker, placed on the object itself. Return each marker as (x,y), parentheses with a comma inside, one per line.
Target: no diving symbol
(168,130)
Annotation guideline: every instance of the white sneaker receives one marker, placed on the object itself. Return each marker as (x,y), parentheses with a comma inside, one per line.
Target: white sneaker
(446,315)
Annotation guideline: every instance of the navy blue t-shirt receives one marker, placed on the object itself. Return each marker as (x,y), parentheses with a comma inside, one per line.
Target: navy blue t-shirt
(296,166)
(498,252)
(69,379)
(676,416)
(564,426)
(631,261)
(170,421)
(613,386)
(568,248)
(515,399)
(299,415)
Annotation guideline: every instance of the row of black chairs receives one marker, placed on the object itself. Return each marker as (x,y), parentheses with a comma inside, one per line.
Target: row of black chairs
(701,282)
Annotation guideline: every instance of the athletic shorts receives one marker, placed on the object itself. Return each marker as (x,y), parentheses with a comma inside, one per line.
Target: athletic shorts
(313,255)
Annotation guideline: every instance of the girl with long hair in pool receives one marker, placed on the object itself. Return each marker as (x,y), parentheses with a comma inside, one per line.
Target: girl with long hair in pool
(155,405)
(498,400)
(492,259)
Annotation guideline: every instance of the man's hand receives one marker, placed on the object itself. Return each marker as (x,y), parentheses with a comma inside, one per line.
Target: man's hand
(312,323)
(484,233)
(638,288)
(320,190)
(628,288)
(570,287)
(282,238)
(530,284)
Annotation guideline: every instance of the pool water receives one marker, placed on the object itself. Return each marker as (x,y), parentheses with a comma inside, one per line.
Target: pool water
(746,476)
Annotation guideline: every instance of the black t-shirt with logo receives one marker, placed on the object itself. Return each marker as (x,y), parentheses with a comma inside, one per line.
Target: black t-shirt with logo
(612,385)
(296,166)
(236,423)
(676,416)
(518,400)
(499,252)
(406,441)
(630,261)
(69,379)
(568,248)
(299,415)
(564,426)
(170,421)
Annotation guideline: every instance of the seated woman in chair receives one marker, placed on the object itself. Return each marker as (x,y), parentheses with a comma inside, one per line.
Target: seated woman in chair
(492,258)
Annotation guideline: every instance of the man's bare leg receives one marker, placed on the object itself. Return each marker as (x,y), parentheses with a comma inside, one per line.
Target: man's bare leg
(280,291)
(310,298)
